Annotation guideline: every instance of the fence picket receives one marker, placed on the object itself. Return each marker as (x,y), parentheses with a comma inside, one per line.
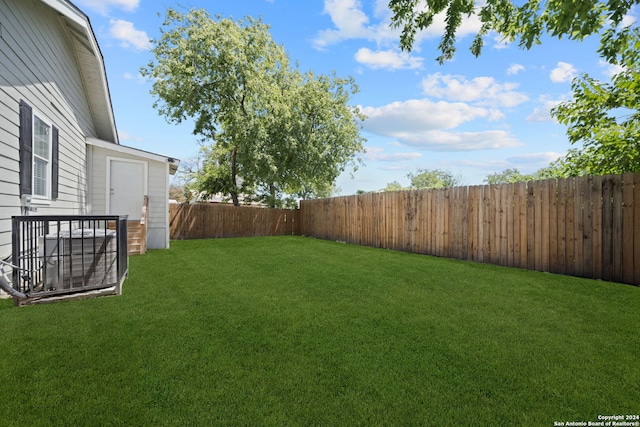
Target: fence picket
(617,228)
(627,228)
(544,224)
(578,223)
(596,225)
(552,226)
(570,240)
(561,226)
(607,228)
(636,229)
(521,189)
(587,231)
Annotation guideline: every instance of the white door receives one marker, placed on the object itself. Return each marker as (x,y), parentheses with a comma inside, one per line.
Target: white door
(126,189)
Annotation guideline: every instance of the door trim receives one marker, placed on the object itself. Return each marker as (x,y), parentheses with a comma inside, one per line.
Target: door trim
(145,187)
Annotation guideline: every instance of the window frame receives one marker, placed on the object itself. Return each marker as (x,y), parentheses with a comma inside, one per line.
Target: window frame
(27,116)
(48,174)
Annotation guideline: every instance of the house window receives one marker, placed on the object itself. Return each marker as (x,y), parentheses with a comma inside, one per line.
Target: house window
(38,155)
(41,157)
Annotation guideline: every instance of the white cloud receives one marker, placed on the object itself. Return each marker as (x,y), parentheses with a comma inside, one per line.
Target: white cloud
(469,25)
(137,77)
(389,59)
(628,20)
(541,159)
(543,112)
(103,6)
(125,136)
(528,162)
(610,70)
(514,69)
(484,90)
(462,141)
(377,154)
(563,72)
(422,123)
(351,22)
(128,35)
(417,115)
(499,42)
(491,165)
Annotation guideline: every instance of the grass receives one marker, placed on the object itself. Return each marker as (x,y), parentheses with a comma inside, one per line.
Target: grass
(296,331)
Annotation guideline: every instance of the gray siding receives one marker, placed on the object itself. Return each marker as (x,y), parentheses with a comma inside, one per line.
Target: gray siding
(38,65)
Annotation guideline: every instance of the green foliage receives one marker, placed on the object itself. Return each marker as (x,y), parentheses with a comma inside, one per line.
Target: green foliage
(433,178)
(605,117)
(178,193)
(556,169)
(524,22)
(393,186)
(274,134)
(506,176)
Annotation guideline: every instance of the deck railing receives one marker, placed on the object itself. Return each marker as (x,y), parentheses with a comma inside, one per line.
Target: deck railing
(57,255)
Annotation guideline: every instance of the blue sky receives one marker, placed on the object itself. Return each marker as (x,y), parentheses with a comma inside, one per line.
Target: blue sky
(471,116)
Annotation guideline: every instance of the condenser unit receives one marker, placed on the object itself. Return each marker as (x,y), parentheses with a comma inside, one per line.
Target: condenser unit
(78,259)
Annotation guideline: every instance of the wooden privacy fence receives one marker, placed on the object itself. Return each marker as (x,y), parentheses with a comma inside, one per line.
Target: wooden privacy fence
(204,221)
(586,226)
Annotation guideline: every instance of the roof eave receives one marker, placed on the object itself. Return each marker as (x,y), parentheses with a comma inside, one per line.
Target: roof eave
(106,131)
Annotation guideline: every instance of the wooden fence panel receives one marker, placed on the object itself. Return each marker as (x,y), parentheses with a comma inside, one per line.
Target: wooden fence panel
(531,235)
(578,231)
(521,190)
(570,241)
(486,240)
(495,224)
(501,224)
(617,227)
(587,231)
(596,226)
(553,225)
(607,228)
(636,229)
(561,262)
(627,228)
(544,224)
(203,221)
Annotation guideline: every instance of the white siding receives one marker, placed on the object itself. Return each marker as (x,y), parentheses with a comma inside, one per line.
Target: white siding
(38,65)
(157,183)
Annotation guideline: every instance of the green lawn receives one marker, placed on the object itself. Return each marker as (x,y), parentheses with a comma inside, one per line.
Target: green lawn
(296,331)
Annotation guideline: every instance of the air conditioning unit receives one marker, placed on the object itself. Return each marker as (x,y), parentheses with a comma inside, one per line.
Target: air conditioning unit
(77,259)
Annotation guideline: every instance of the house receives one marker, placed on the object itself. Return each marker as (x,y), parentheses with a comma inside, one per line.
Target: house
(59,148)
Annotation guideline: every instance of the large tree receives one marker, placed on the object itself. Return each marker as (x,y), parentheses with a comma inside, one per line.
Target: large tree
(312,137)
(393,186)
(555,170)
(269,132)
(433,178)
(507,176)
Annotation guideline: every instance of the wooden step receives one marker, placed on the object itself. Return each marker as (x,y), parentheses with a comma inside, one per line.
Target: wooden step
(134,238)
(137,231)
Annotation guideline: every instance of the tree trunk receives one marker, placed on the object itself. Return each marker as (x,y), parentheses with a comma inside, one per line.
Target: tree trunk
(234,169)
(272,199)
